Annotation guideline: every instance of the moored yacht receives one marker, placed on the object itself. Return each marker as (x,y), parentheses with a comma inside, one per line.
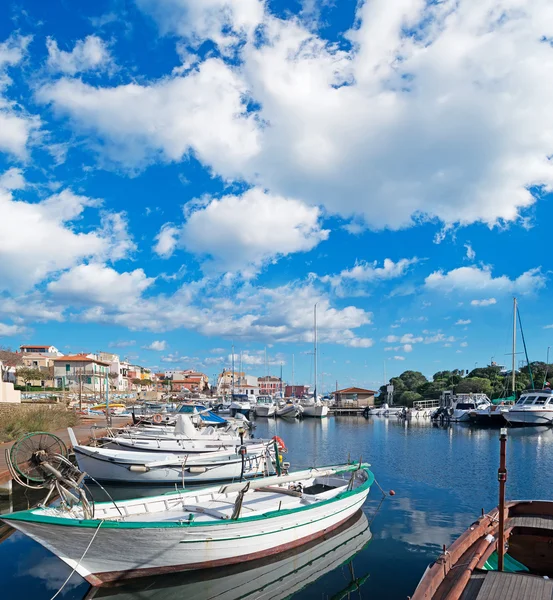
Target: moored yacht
(240,405)
(265,406)
(457,407)
(534,407)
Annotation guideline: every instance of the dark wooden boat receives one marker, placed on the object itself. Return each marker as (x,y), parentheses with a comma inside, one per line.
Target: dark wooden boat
(463,570)
(505,555)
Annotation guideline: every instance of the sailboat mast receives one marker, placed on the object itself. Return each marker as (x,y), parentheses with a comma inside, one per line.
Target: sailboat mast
(293,384)
(315,349)
(232,369)
(513,364)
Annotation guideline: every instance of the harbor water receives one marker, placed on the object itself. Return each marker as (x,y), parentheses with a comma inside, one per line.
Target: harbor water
(442,479)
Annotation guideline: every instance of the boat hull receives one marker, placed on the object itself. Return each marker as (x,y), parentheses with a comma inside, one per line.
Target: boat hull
(196,472)
(265,411)
(140,551)
(317,412)
(289,411)
(529,418)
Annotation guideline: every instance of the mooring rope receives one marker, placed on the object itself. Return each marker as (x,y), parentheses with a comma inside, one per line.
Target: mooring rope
(79,563)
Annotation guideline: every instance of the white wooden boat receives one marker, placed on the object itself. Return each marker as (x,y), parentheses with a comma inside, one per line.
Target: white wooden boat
(259,579)
(534,407)
(127,466)
(209,527)
(179,446)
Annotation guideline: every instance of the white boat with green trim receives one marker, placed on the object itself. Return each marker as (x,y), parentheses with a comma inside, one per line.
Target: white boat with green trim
(209,527)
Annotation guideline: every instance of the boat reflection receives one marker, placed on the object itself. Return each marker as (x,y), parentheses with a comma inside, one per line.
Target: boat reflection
(280,576)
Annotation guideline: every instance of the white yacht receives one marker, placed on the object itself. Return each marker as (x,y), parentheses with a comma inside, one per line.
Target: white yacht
(265,406)
(534,407)
(456,408)
(240,405)
(314,408)
(385,410)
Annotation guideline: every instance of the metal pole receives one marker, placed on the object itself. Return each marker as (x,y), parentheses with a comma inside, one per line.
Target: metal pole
(315,349)
(502,478)
(513,365)
(232,369)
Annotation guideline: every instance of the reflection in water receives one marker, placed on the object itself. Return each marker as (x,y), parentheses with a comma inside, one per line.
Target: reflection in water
(274,578)
(442,477)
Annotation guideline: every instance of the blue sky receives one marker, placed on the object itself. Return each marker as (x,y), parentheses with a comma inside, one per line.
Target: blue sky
(179,176)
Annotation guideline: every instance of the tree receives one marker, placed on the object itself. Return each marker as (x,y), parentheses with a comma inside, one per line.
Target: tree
(433,389)
(477,385)
(413,379)
(408,397)
(8,358)
(137,381)
(445,375)
(113,379)
(28,374)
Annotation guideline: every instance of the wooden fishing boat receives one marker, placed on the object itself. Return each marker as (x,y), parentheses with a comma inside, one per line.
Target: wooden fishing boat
(127,466)
(276,578)
(209,527)
(504,555)
(468,568)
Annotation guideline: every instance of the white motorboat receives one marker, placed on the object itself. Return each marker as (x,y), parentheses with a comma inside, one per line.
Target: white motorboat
(126,466)
(534,407)
(265,406)
(269,580)
(205,528)
(240,405)
(456,408)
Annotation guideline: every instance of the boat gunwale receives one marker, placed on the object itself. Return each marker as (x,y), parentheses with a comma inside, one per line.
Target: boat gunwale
(29,516)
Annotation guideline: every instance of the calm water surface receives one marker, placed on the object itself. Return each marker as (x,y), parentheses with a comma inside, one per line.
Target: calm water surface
(442,478)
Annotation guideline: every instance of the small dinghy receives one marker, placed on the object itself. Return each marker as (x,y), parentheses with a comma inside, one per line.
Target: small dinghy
(127,466)
(207,528)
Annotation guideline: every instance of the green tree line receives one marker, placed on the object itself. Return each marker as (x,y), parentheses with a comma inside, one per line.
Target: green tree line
(411,386)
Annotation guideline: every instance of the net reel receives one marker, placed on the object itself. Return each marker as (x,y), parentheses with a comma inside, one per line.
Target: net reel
(39,460)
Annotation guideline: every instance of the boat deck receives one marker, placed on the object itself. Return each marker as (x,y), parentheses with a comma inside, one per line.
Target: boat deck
(532,521)
(494,585)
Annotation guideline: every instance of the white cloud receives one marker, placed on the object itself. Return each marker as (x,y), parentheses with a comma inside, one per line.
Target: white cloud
(39,241)
(350,281)
(99,284)
(484,302)
(16,125)
(480,279)
(203,112)
(90,54)
(223,21)
(237,232)
(463,344)
(166,240)
(365,132)
(12,179)
(122,344)
(255,358)
(471,254)
(158,346)
(407,348)
(408,338)
(399,357)
(463,322)
(8,330)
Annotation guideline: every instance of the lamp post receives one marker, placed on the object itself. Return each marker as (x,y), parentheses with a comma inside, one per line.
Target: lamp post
(502,478)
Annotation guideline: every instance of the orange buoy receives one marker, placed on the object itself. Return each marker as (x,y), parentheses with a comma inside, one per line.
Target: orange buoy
(157,418)
(280,442)
(392,493)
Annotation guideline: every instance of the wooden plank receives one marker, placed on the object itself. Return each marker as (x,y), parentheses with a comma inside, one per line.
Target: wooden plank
(514,586)
(533,522)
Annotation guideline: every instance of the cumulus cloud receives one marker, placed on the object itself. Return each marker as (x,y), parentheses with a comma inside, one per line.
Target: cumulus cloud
(90,54)
(353,282)
(203,112)
(256,358)
(158,346)
(471,254)
(16,125)
(480,279)
(237,232)
(8,330)
(166,240)
(99,284)
(484,302)
(463,322)
(399,357)
(122,344)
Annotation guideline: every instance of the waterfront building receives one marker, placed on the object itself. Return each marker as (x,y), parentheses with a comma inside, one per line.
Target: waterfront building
(269,385)
(354,397)
(296,391)
(40,349)
(40,361)
(82,372)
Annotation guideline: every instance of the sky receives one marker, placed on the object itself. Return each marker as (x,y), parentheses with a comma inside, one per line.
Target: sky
(178,178)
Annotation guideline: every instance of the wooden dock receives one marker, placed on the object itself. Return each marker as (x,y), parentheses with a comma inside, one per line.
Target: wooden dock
(495,585)
(339,411)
